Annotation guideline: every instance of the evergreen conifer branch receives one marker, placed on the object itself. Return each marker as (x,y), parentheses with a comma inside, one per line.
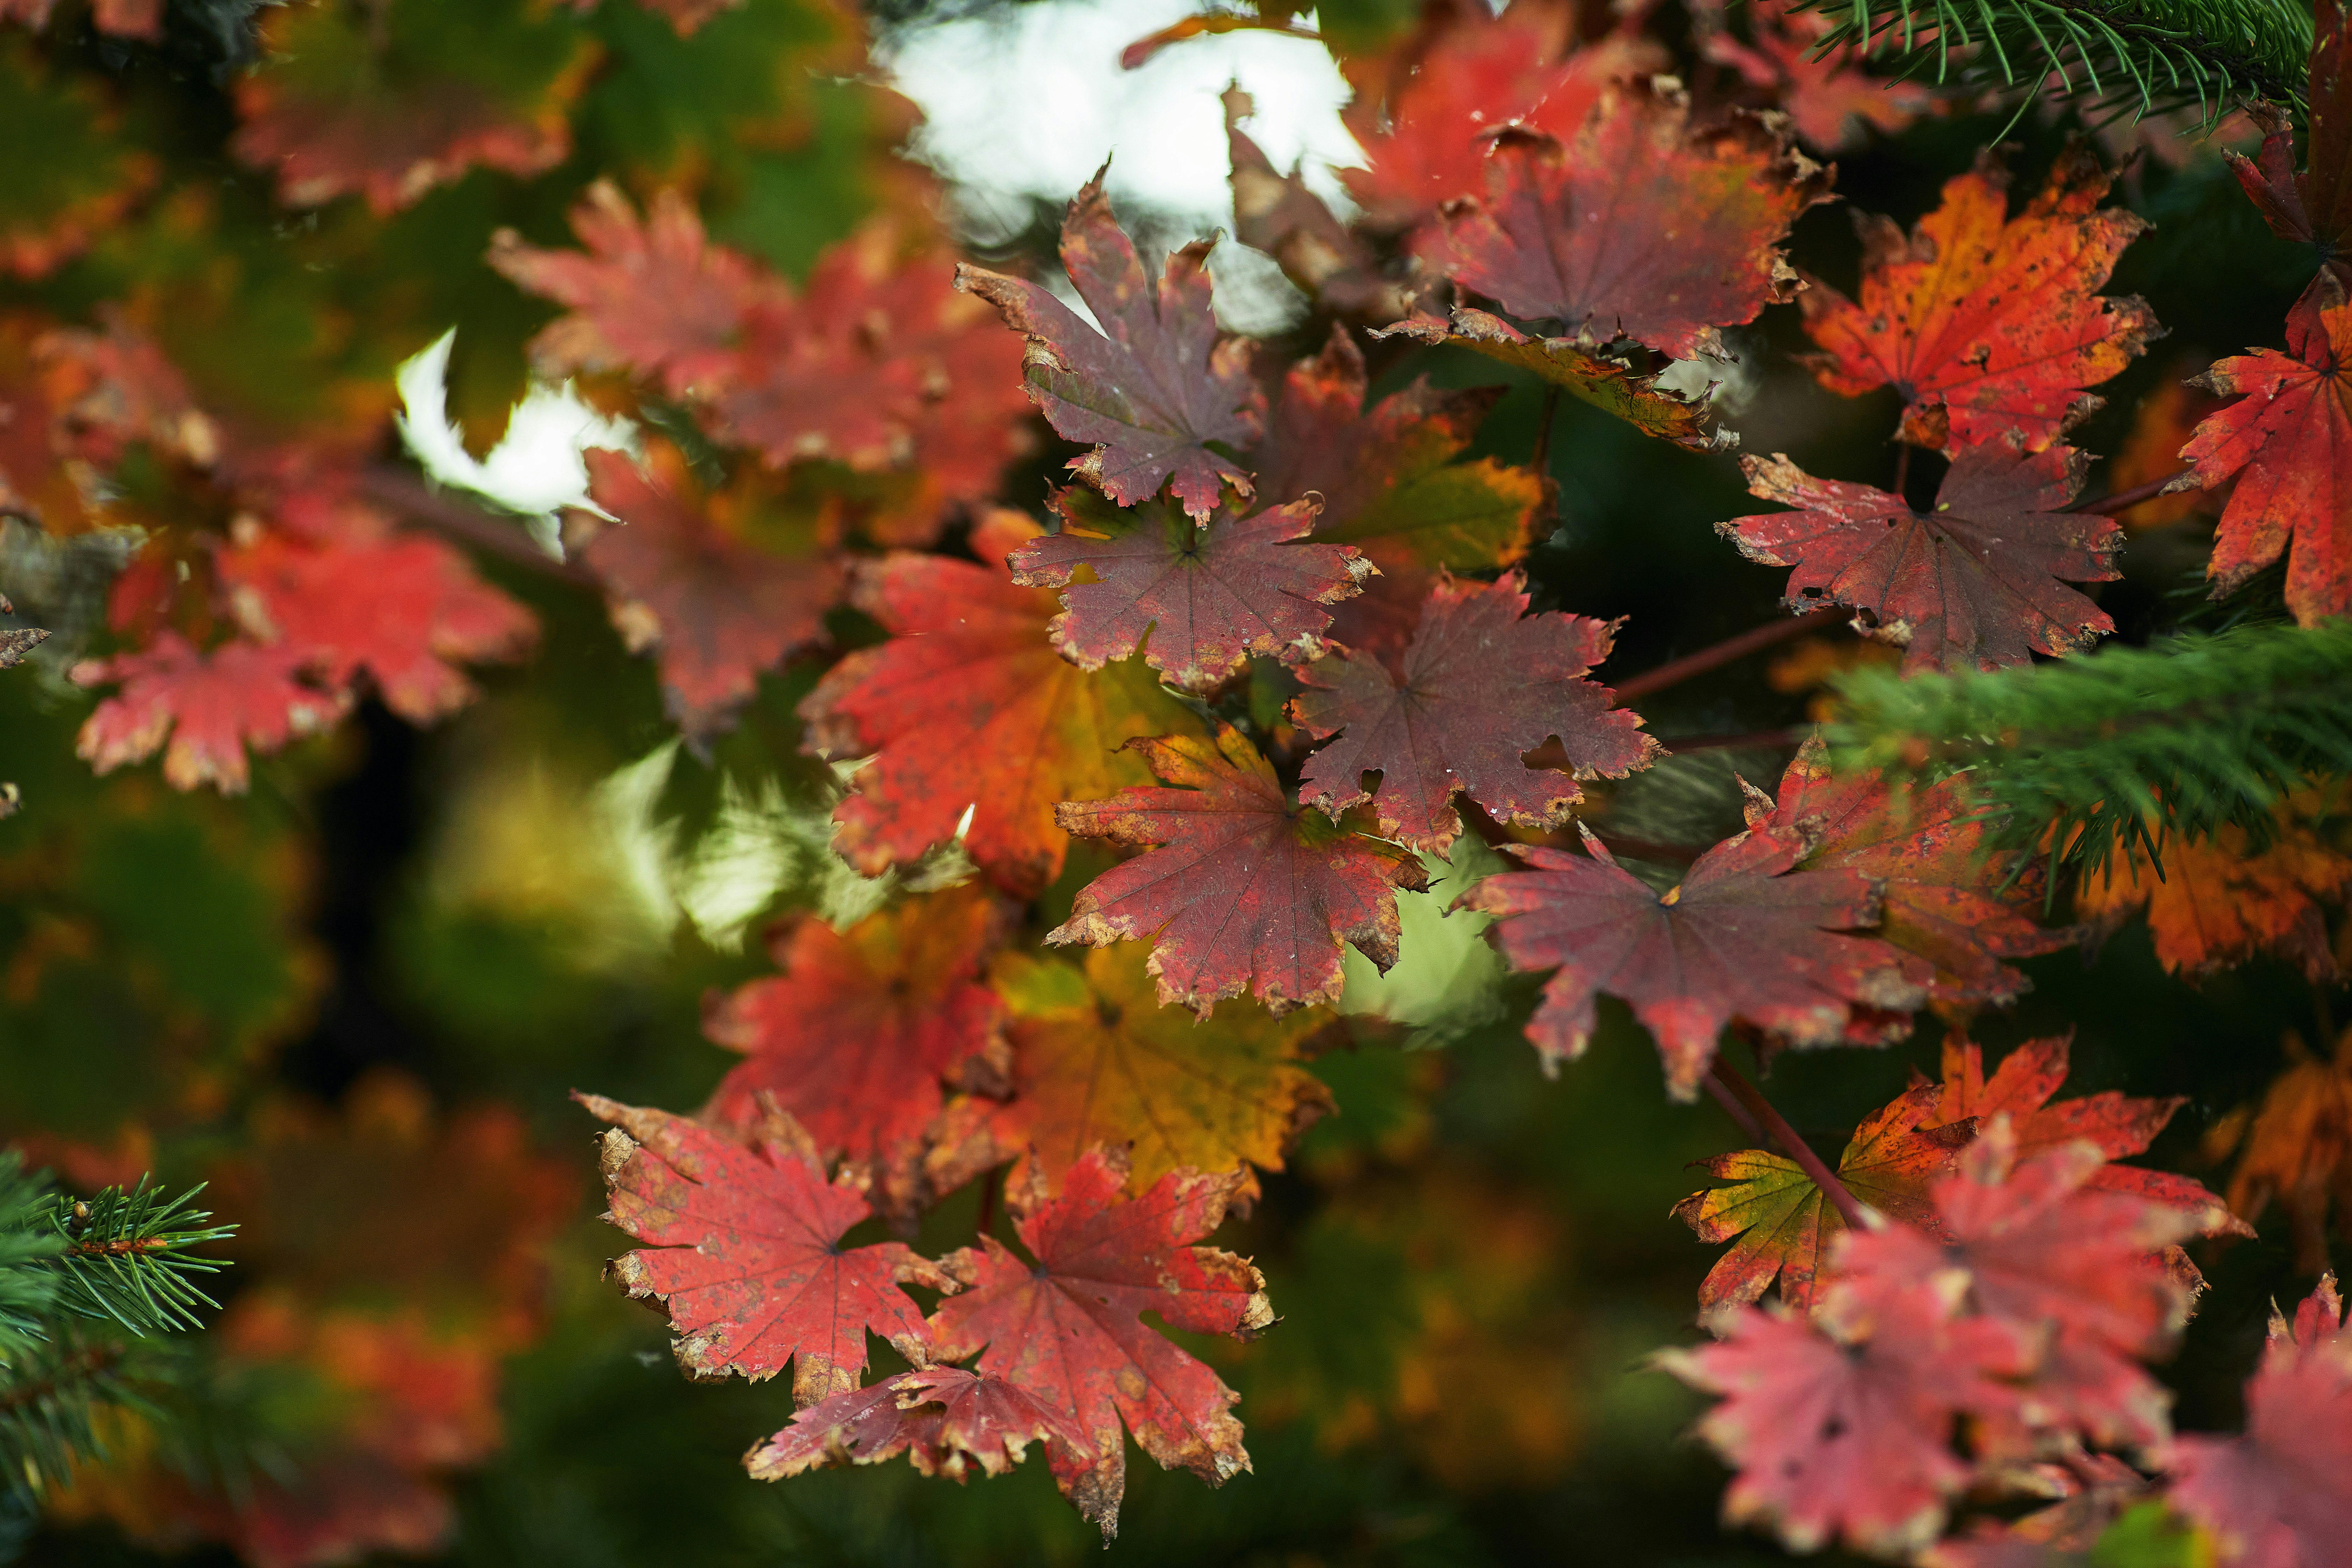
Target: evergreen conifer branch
(2132,746)
(2133,57)
(126,1255)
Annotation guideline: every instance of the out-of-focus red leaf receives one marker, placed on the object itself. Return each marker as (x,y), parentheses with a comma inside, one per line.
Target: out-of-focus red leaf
(211,704)
(1828,98)
(354,596)
(391,101)
(972,712)
(1199,598)
(2288,443)
(943,1418)
(1278,213)
(1746,935)
(1388,487)
(853,1039)
(1482,684)
(745,1251)
(652,295)
(2118,1124)
(2298,1148)
(1985,324)
(118,18)
(683,577)
(1945,897)
(2280,1495)
(1636,224)
(1154,392)
(73,177)
(1976,584)
(1787,1226)
(1068,1327)
(1426,140)
(1843,1431)
(1240,889)
(2075,1274)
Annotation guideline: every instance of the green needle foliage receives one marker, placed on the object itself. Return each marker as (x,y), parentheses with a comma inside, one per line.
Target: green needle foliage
(2130,745)
(83,1283)
(2131,57)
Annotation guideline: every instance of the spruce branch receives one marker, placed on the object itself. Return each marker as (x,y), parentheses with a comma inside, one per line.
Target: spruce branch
(2130,57)
(128,1255)
(2078,758)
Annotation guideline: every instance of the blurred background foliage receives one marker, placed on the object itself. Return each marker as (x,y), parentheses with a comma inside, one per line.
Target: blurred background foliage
(354,998)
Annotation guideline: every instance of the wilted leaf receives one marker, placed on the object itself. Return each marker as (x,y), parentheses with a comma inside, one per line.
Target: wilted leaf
(942,1418)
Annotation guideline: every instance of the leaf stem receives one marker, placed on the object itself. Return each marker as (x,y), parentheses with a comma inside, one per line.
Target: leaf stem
(1776,1127)
(2123,500)
(1540,459)
(1647,849)
(1733,1109)
(1676,670)
(1902,470)
(1678,745)
(446,514)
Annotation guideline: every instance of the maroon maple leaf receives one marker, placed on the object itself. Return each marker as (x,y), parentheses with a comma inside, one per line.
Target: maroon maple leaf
(653,295)
(1241,889)
(854,1037)
(1155,385)
(1068,1328)
(1744,935)
(718,609)
(1636,225)
(212,705)
(943,1418)
(1205,595)
(1482,684)
(1974,584)
(743,1250)
(1842,1428)
(1389,485)
(1945,894)
(2315,207)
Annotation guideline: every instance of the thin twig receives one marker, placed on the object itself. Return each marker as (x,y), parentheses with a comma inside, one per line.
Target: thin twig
(1733,1109)
(1777,1129)
(1645,850)
(446,513)
(1680,745)
(1541,460)
(1679,669)
(1901,469)
(2123,500)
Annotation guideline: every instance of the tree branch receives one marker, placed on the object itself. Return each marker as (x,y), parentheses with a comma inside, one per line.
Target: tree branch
(1676,670)
(1777,1128)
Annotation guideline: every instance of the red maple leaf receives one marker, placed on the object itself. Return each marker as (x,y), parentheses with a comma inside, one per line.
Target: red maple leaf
(853,1039)
(1389,485)
(2073,1274)
(744,1251)
(2117,1124)
(1842,1427)
(943,1418)
(212,705)
(654,296)
(2280,1495)
(1744,935)
(1981,325)
(1155,391)
(1068,1327)
(1482,684)
(1944,894)
(349,595)
(1425,143)
(972,711)
(682,578)
(1239,890)
(1973,585)
(1636,225)
(1206,595)
(2315,207)
(2289,442)
(393,108)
